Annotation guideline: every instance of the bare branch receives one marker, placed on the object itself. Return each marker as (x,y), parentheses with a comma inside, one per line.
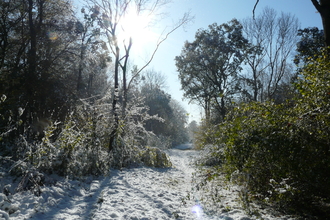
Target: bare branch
(185,19)
(254,8)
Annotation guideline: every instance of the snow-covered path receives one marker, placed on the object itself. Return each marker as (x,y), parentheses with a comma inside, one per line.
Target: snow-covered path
(138,193)
(145,193)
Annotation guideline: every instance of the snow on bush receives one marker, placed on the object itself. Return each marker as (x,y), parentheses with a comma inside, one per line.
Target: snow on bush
(154,157)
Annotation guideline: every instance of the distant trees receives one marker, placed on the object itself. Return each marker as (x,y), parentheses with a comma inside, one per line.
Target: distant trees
(178,124)
(171,126)
(192,130)
(209,66)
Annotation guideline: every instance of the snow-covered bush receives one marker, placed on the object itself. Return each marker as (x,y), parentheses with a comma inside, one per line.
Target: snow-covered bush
(42,155)
(6,206)
(32,180)
(72,148)
(154,157)
(81,144)
(131,134)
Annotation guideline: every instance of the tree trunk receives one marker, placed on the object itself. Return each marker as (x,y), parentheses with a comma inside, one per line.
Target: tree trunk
(31,72)
(81,64)
(114,132)
(124,69)
(323,7)
(326,25)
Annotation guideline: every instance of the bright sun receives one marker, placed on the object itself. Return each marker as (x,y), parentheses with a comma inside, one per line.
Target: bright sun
(138,28)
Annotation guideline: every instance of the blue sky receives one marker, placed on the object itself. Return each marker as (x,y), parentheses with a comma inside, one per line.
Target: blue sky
(207,12)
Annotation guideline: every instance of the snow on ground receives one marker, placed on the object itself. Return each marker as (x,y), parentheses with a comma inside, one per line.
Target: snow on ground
(137,193)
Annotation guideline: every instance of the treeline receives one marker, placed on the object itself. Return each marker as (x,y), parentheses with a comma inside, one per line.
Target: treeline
(69,105)
(264,86)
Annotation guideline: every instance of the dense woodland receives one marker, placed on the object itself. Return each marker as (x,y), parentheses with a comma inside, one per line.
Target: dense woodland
(72,104)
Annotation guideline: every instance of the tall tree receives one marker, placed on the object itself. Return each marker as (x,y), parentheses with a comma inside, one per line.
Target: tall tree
(36,55)
(49,56)
(178,123)
(153,90)
(160,103)
(111,15)
(208,67)
(274,38)
(92,54)
(192,130)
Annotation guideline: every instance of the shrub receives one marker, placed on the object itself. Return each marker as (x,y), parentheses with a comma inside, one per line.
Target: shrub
(283,149)
(154,157)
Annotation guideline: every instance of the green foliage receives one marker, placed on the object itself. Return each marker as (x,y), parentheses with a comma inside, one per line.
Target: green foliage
(208,67)
(205,135)
(310,45)
(282,149)
(259,143)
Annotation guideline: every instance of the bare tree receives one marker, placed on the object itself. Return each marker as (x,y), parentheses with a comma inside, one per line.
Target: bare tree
(274,37)
(155,79)
(323,7)
(111,14)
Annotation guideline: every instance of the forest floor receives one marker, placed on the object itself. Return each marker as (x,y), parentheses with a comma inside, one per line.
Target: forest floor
(137,193)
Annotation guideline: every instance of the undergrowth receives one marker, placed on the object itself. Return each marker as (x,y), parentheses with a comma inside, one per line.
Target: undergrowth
(279,153)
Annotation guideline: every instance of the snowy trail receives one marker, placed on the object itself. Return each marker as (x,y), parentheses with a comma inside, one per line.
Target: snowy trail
(138,193)
(145,193)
